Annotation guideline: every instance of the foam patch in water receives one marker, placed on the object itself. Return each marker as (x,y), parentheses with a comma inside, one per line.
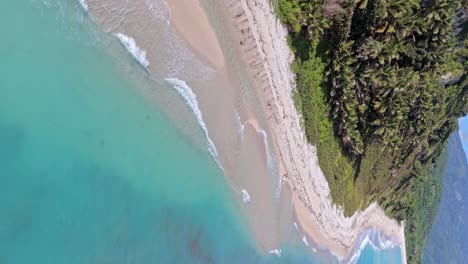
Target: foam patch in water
(245,196)
(276,252)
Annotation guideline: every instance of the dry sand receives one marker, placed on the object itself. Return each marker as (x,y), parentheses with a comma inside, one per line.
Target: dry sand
(180,42)
(263,39)
(192,23)
(246,169)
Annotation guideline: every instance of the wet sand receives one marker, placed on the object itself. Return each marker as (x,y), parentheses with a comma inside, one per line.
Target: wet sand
(191,22)
(264,43)
(192,53)
(251,76)
(243,154)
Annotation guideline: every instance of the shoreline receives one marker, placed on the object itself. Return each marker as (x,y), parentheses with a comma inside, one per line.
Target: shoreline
(267,60)
(191,22)
(247,161)
(263,39)
(220,89)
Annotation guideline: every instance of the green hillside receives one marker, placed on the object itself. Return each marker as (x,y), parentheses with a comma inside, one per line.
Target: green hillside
(448,241)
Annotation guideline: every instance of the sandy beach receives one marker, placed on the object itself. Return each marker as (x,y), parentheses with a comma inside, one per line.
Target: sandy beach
(261,39)
(191,22)
(264,42)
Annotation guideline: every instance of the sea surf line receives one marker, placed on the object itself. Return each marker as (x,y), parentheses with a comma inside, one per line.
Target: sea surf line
(179,86)
(191,100)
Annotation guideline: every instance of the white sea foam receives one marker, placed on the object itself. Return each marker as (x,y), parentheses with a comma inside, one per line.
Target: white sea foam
(136,52)
(271,161)
(168,21)
(245,196)
(159,13)
(295,226)
(304,239)
(376,240)
(240,126)
(276,252)
(191,100)
(84,4)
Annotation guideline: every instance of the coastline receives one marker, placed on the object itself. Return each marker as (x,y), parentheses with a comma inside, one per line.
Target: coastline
(246,161)
(263,39)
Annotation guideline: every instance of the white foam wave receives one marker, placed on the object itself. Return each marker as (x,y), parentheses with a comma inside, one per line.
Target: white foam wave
(168,21)
(159,13)
(271,161)
(240,126)
(276,252)
(305,241)
(136,52)
(295,226)
(245,196)
(84,4)
(191,100)
(376,240)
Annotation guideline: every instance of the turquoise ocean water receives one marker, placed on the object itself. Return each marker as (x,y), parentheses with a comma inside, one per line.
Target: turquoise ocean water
(371,255)
(91,171)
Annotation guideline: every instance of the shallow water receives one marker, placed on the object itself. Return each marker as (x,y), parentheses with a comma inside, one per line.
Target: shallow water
(92,170)
(372,255)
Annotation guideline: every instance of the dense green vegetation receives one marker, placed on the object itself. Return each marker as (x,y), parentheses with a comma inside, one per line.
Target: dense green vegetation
(424,199)
(380,85)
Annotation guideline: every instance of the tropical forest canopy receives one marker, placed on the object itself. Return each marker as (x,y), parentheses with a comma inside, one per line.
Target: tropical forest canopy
(380,84)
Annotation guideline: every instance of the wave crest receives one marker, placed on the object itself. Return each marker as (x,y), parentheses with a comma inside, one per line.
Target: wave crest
(376,240)
(136,52)
(84,5)
(240,126)
(191,101)
(271,163)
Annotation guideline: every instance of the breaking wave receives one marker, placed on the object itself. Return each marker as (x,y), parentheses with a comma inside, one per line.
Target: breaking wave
(191,101)
(240,126)
(376,240)
(271,161)
(304,239)
(136,52)
(84,5)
